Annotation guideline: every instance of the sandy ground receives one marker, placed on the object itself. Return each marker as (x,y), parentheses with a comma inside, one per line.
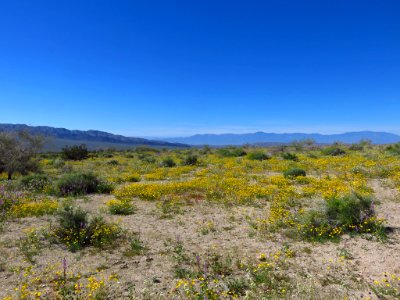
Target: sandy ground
(318,269)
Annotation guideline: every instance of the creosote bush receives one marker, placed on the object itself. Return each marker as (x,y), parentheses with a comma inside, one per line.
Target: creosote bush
(75,184)
(190,160)
(257,155)
(394,149)
(120,207)
(294,172)
(36,183)
(75,152)
(333,151)
(349,214)
(231,152)
(349,210)
(77,230)
(168,162)
(290,156)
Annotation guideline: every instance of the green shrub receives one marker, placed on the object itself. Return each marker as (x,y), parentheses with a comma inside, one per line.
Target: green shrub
(147,158)
(58,163)
(77,230)
(75,184)
(120,207)
(356,147)
(113,162)
(231,152)
(333,151)
(75,152)
(257,155)
(394,149)
(349,214)
(168,162)
(36,183)
(132,178)
(190,160)
(102,234)
(349,210)
(294,172)
(290,156)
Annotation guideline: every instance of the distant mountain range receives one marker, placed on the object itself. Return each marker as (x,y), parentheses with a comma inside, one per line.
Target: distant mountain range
(283,138)
(57,138)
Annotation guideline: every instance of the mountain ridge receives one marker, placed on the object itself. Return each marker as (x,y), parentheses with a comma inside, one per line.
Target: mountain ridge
(94,139)
(264,137)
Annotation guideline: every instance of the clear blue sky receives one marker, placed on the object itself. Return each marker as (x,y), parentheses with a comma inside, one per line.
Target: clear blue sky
(170,68)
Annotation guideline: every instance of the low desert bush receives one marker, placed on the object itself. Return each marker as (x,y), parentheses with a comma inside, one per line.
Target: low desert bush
(349,210)
(77,230)
(75,152)
(113,162)
(75,184)
(120,207)
(333,151)
(350,214)
(290,156)
(294,172)
(257,155)
(231,152)
(190,160)
(35,183)
(394,149)
(168,162)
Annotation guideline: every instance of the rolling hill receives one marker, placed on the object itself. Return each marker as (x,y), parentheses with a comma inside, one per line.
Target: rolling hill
(57,138)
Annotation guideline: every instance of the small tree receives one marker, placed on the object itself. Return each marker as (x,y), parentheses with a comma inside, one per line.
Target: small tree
(17,152)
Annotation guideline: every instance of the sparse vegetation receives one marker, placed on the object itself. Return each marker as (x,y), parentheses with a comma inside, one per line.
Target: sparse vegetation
(183,227)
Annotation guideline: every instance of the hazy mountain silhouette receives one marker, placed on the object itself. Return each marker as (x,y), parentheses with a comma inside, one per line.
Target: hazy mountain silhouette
(263,137)
(57,138)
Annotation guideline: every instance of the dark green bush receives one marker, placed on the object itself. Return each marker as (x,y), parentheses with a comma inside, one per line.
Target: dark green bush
(168,162)
(147,158)
(290,156)
(34,183)
(75,184)
(333,151)
(350,214)
(231,152)
(113,162)
(75,152)
(294,172)
(190,160)
(257,155)
(349,210)
(356,147)
(77,230)
(70,218)
(118,207)
(394,149)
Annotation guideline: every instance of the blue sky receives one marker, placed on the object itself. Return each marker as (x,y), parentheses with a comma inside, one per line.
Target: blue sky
(170,68)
